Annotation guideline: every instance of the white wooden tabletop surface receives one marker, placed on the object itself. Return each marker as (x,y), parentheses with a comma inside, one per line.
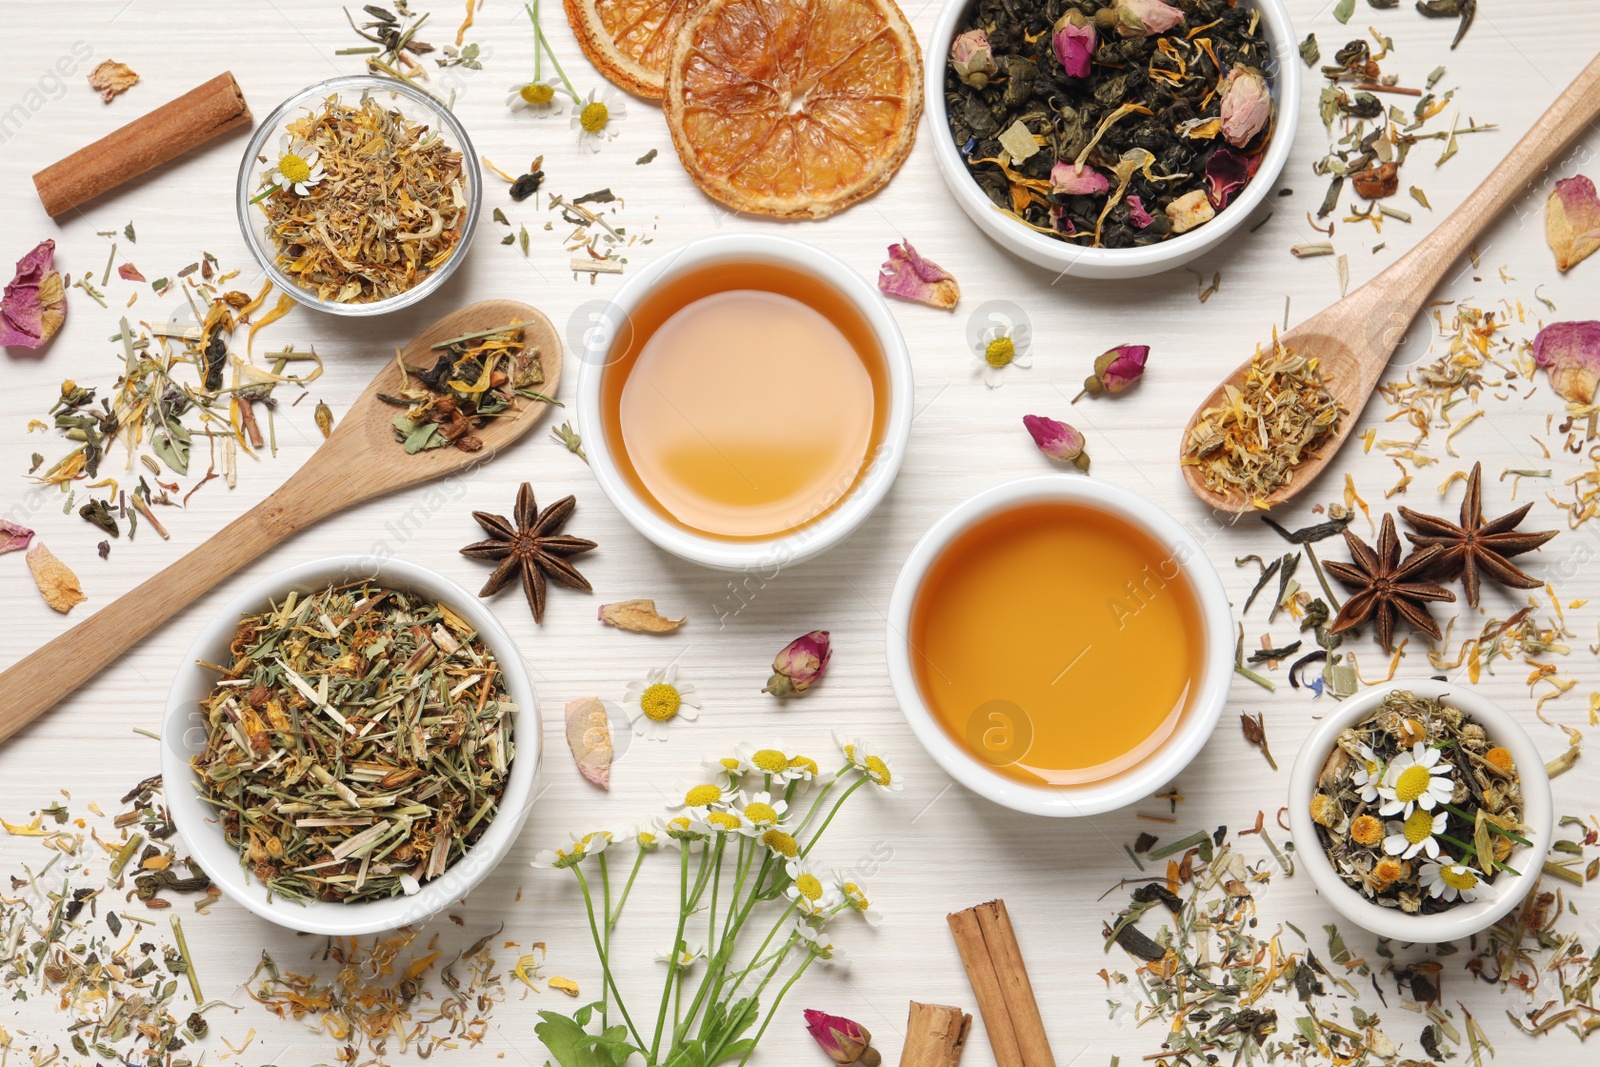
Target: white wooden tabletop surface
(934,848)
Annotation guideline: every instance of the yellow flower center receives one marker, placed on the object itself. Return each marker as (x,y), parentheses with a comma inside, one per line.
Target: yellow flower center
(761,814)
(729,764)
(809,887)
(771,760)
(1412,783)
(801,763)
(1386,871)
(857,898)
(722,821)
(293,168)
(878,770)
(594,117)
(681,822)
(781,843)
(660,702)
(1418,827)
(646,840)
(701,796)
(1458,878)
(537,93)
(1000,352)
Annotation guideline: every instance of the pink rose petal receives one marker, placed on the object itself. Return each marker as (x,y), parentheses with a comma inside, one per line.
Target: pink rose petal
(1066,178)
(13,538)
(1226,173)
(1137,214)
(35,302)
(1569,352)
(1572,221)
(129,273)
(911,277)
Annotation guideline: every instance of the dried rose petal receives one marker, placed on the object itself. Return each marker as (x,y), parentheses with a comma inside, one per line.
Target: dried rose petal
(800,665)
(111,79)
(844,1041)
(1226,173)
(911,277)
(13,538)
(639,616)
(1569,352)
(1246,105)
(589,737)
(56,582)
(1066,178)
(1144,18)
(1190,210)
(972,58)
(1074,40)
(1572,221)
(1137,214)
(1057,440)
(35,303)
(1117,369)
(129,273)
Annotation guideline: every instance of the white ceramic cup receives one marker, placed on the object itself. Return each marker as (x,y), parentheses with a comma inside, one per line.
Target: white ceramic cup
(1070,258)
(609,321)
(1463,920)
(183,735)
(1157,769)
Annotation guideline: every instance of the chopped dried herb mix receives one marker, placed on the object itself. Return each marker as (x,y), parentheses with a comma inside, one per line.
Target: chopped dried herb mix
(1113,124)
(358,745)
(474,378)
(362,202)
(1417,807)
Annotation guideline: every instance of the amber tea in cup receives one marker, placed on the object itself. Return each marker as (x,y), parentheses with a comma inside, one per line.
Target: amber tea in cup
(1057,642)
(749,399)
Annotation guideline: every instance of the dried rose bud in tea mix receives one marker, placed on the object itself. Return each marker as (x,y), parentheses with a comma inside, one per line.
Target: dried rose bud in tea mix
(1418,807)
(358,745)
(361,202)
(1112,123)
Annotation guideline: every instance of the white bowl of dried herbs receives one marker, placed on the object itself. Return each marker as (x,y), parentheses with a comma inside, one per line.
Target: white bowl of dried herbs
(1112,138)
(1421,810)
(350,745)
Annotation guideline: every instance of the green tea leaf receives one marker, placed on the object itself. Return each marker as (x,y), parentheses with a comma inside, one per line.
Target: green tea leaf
(171,445)
(1344,9)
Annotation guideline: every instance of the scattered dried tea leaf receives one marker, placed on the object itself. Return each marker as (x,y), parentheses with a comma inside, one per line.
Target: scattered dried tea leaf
(111,79)
(129,273)
(1375,183)
(1569,352)
(55,579)
(13,538)
(639,616)
(35,302)
(911,277)
(1572,221)
(589,737)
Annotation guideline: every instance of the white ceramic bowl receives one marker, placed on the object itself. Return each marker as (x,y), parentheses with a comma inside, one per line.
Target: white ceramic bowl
(1283,71)
(416,106)
(607,322)
(1145,777)
(1463,920)
(184,733)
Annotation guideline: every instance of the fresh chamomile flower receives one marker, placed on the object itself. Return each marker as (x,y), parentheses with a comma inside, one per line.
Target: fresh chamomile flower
(1448,880)
(683,828)
(597,118)
(730,766)
(699,796)
(659,699)
(688,954)
(864,760)
(768,761)
(759,813)
(537,98)
(810,895)
(648,835)
(720,822)
(780,843)
(1419,833)
(299,167)
(855,898)
(582,847)
(816,941)
(1000,347)
(1416,779)
(803,768)
(1368,774)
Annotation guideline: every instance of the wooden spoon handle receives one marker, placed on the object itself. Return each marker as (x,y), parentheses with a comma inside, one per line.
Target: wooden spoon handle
(37,683)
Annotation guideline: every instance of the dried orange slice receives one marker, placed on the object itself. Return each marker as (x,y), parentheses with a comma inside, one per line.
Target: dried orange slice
(794,108)
(629,41)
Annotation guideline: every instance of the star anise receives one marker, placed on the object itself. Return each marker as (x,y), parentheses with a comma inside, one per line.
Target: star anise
(1386,586)
(1476,549)
(535,548)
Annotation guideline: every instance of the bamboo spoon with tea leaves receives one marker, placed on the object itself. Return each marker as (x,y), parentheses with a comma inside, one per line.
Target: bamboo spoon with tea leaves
(360,460)
(1354,338)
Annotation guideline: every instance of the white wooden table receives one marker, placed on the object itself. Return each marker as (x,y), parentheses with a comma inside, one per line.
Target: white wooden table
(935,848)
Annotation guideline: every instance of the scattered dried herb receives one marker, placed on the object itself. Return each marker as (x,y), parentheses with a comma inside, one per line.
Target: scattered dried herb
(640,616)
(474,378)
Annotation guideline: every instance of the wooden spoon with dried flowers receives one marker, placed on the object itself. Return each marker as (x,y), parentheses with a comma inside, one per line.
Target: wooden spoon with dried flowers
(360,460)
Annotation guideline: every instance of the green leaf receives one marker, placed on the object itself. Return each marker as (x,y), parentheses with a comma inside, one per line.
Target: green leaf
(171,443)
(566,1040)
(1344,9)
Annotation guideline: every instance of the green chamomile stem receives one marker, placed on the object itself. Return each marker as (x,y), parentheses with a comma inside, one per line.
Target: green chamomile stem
(756,959)
(605,881)
(816,805)
(265,193)
(714,1051)
(622,901)
(605,962)
(677,940)
(859,782)
(1502,831)
(716,886)
(538,53)
(556,63)
(772,1012)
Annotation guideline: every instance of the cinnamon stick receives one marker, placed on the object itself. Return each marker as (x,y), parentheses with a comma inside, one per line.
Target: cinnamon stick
(159,137)
(993,960)
(935,1036)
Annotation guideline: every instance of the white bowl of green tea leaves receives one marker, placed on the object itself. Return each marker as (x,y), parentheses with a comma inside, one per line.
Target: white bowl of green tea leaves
(350,745)
(1421,810)
(359,195)
(1114,153)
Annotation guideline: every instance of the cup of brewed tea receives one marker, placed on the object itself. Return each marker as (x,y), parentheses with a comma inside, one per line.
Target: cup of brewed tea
(745,400)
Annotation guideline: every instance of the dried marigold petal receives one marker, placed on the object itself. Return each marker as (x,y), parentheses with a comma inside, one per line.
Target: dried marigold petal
(55,579)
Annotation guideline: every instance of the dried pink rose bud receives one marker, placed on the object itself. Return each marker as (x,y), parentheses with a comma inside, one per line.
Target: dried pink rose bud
(911,277)
(1138,18)
(1226,173)
(800,665)
(1138,215)
(1246,105)
(1075,39)
(1116,370)
(1572,221)
(1066,177)
(1569,352)
(972,58)
(13,538)
(843,1040)
(35,302)
(1057,440)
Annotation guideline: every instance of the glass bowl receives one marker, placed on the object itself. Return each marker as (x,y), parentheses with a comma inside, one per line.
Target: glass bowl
(415,105)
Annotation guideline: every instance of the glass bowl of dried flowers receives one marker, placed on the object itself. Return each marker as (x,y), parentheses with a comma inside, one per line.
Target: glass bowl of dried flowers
(351,745)
(359,195)
(1110,138)
(1422,811)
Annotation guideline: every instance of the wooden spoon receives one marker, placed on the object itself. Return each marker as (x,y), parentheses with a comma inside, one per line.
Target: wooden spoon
(360,460)
(1355,337)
